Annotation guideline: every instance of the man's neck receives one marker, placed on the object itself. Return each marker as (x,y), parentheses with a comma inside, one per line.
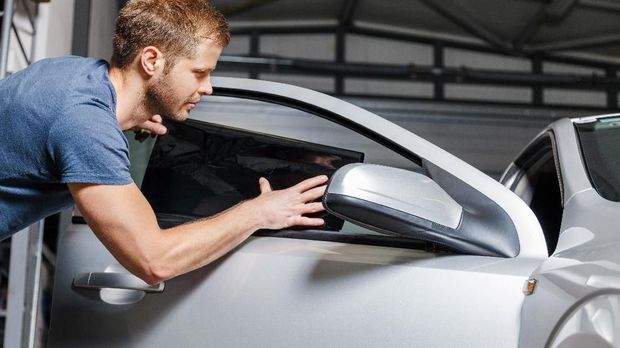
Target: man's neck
(130,90)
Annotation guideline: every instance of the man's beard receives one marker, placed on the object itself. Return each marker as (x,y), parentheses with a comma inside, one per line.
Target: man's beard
(159,100)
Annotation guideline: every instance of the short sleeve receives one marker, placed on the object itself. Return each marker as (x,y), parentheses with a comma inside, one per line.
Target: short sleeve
(86,145)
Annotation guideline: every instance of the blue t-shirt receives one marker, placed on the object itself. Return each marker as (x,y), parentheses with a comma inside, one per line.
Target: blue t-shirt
(57,126)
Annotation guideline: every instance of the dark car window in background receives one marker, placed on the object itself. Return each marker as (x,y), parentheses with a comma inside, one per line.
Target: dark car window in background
(600,145)
(535,176)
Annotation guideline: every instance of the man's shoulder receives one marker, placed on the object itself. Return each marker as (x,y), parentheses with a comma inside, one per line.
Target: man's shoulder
(73,62)
(71,80)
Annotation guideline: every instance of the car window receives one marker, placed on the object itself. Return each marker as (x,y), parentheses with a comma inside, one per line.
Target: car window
(600,146)
(222,148)
(536,178)
(274,119)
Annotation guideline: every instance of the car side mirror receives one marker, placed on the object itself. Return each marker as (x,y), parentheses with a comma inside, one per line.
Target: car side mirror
(399,202)
(392,201)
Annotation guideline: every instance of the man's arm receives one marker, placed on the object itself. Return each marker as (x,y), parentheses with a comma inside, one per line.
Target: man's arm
(125,223)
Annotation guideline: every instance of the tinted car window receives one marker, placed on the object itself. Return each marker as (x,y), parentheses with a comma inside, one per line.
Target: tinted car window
(274,119)
(600,145)
(538,182)
(199,169)
(229,115)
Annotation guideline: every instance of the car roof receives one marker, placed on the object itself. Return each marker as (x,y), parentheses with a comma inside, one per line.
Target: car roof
(586,119)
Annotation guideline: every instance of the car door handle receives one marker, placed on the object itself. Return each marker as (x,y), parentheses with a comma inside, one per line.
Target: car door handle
(106,280)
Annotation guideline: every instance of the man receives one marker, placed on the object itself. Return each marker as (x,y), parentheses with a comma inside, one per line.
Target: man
(62,141)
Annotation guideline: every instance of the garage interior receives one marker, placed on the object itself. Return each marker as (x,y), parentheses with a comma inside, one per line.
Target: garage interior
(479,78)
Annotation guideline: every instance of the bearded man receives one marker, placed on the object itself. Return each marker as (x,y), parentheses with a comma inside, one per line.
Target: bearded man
(62,141)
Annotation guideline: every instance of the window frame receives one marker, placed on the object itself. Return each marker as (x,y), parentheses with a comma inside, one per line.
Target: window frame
(166,220)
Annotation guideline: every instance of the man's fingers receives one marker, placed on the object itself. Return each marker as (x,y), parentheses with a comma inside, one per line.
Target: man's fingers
(313,207)
(314,193)
(306,221)
(156,119)
(154,127)
(264,185)
(310,183)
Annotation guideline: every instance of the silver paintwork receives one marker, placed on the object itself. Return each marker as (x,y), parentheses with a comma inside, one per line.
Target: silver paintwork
(406,191)
(276,292)
(109,280)
(303,293)
(578,286)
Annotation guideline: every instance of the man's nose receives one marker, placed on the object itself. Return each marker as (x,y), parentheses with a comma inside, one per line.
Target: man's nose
(206,89)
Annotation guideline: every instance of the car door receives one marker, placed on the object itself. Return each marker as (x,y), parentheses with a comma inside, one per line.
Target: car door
(344,286)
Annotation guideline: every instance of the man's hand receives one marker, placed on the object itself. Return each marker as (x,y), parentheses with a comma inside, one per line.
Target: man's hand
(152,127)
(285,208)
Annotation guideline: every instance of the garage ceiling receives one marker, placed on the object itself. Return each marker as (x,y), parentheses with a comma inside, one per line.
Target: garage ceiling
(588,29)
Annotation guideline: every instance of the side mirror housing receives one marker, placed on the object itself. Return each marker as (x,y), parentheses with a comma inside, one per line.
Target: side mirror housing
(391,200)
(399,202)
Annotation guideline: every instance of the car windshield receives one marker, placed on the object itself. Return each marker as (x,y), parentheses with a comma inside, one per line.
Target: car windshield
(600,145)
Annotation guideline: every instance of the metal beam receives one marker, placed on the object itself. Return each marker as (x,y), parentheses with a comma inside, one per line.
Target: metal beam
(530,29)
(285,29)
(340,59)
(255,51)
(21,44)
(438,63)
(601,5)
(7,21)
(612,92)
(30,16)
(347,13)
(588,42)
(557,10)
(81,27)
(345,21)
(417,38)
(537,91)
(380,33)
(554,11)
(418,73)
(237,9)
(461,17)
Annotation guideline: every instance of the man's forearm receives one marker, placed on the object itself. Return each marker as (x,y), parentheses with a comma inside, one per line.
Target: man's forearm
(190,246)
(125,223)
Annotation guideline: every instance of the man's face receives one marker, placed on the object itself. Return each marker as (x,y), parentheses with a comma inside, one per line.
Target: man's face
(175,93)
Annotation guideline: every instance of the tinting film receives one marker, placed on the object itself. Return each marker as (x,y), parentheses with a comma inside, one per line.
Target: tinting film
(200,169)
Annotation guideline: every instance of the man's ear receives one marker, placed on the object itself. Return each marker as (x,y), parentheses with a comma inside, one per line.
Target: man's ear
(152,60)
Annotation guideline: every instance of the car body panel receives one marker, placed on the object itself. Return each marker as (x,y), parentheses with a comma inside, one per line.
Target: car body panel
(288,292)
(584,270)
(273,291)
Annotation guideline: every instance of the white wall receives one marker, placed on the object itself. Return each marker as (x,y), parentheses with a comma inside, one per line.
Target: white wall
(54,25)
(55,31)
(102,21)
(54,28)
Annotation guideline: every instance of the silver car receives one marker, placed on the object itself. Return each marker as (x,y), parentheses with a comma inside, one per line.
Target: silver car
(419,248)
